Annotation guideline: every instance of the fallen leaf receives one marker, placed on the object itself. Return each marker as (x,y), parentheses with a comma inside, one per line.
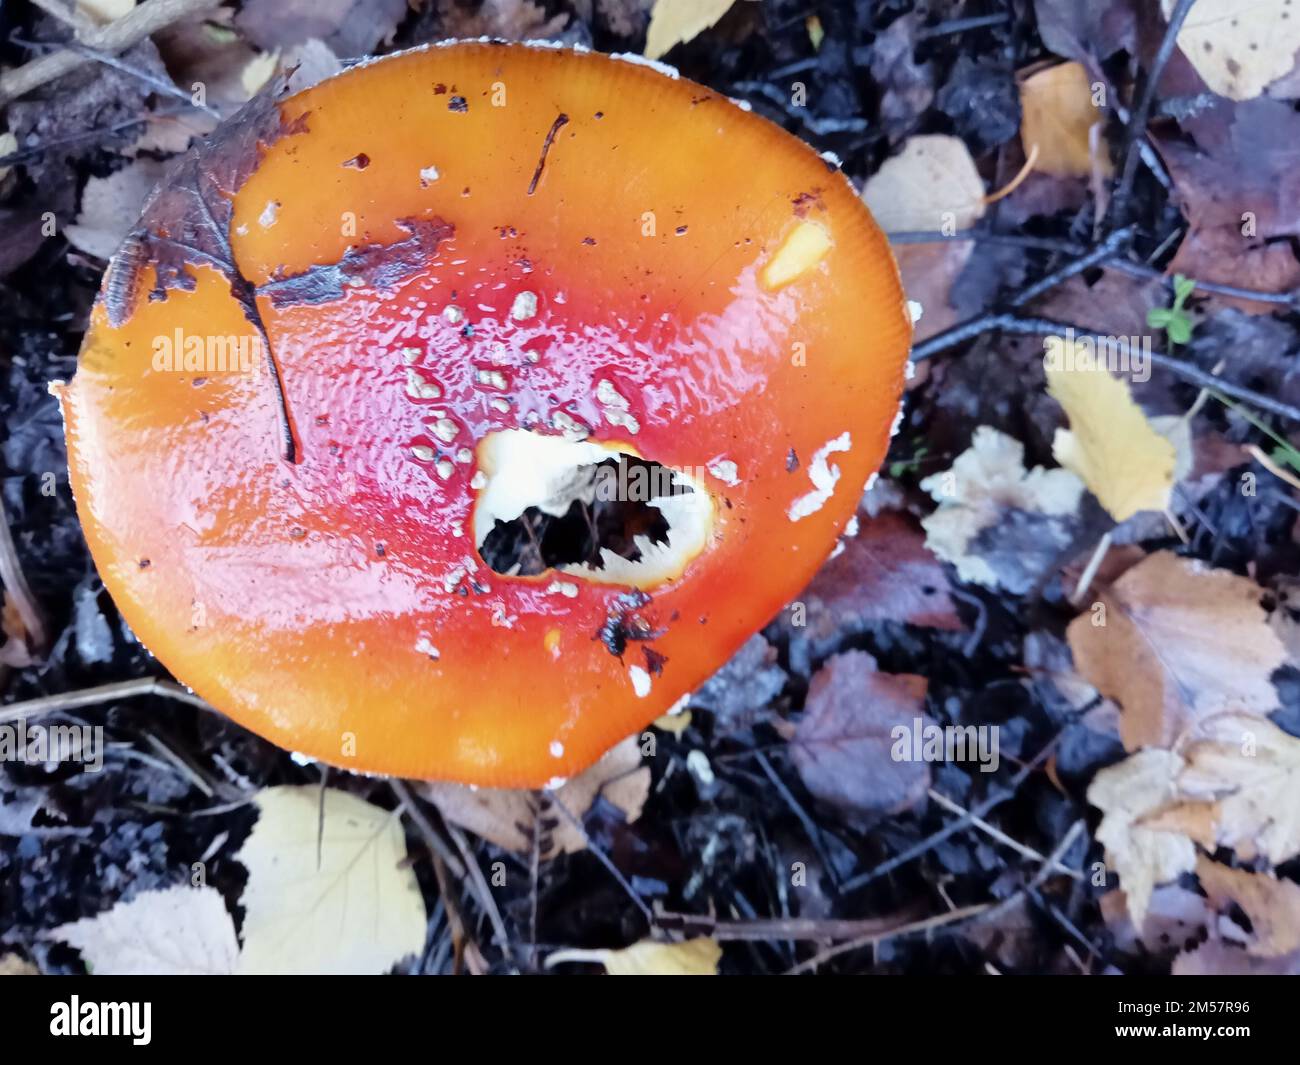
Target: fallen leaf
(328,899)
(508,817)
(1272,905)
(180,931)
(843,745)
(1142,857)
(1216,958)
(1175,918)
(1177,642)
(1059,119)
(1238,48)
(906,87)
(695,957)
(1240,788)
(675,724)
(1236,175)
(987,494)
(350,27)
(13,965)
(930,185)
(105,10)
(884,573)
(511,20)
(1098,28)
(1110,444)
(744,686)
(111,205)
(674,22)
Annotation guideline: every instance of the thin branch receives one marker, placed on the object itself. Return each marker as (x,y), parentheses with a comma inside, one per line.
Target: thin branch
(104,693)
(927,925)
(1017,326)
(997,834)
(117,36)
(1137,127)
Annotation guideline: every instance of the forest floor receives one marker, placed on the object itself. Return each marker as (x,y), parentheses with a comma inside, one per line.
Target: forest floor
(1109,818)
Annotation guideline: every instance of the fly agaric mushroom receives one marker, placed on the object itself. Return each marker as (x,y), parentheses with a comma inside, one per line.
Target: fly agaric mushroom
(365,402)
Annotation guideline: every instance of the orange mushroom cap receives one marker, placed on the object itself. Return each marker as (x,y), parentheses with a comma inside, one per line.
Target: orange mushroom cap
(361,328)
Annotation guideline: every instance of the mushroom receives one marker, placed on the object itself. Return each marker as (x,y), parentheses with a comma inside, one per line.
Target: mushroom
(455,417)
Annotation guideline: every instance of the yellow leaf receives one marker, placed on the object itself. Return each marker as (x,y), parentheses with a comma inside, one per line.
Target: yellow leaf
(674,22)
(695,957)
(1239,48)
(1059,116)
(257,72)
(331,898)
(674,723)
(105,10)
(178,931)
(1110,444)
(13,965)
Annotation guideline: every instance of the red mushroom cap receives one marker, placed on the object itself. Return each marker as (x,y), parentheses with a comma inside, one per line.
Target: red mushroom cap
(476,272)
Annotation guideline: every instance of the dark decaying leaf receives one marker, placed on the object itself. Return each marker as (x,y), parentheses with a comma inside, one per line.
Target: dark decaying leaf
(842,746)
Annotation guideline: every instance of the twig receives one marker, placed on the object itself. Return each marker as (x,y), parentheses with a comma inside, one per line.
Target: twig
(812,929)
(999,835)
(481,890)
(927,925)
(1112,246)
(117,36)
(605,860)
(1050,864)
(436,844)
(1017,326)
(1257,453)
(104,693)
(1090,570)
(1066,247)
(1137,127)
(933,840)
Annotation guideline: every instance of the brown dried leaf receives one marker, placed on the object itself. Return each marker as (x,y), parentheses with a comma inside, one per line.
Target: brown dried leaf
(842,746)
(1272,905)
(884,573)
(1177,643)
(512,20)
(931,184)
(508,817)
(110,206)
(1238,180)
(1240,788)
(349,27)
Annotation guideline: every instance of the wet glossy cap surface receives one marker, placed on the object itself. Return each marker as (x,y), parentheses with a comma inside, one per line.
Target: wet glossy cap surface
(441,245)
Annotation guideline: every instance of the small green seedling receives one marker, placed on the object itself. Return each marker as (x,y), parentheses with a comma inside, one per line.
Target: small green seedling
(1175,320)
